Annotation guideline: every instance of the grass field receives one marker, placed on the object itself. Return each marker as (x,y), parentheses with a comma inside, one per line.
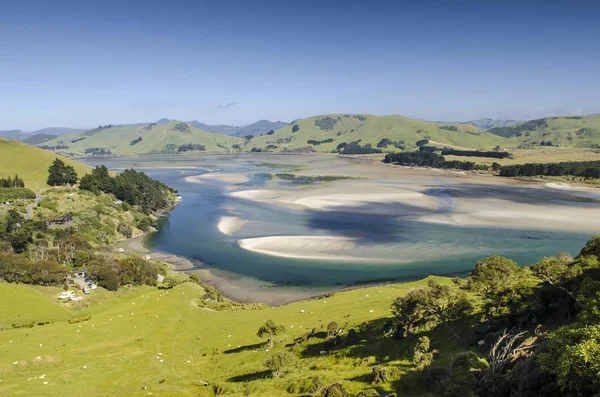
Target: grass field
(145,340)
(30,163)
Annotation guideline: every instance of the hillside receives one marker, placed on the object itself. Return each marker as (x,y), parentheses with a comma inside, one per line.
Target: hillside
(572,131)
(172,137)
(333,130)
(259,127)
(30,163)
(486,124)
(38,139)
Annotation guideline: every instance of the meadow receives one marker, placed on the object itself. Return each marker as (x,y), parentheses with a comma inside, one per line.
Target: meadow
(145,340)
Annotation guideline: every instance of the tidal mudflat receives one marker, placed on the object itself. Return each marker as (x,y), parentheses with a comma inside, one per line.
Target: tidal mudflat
(277,228)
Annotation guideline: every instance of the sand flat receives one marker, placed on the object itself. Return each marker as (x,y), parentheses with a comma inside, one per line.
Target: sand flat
(219,176)
(304,247)
(230,224)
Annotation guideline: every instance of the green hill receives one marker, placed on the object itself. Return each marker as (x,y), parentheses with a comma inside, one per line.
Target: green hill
(572,131)
(173,137)
(30,163)
(329,131)
(38,139)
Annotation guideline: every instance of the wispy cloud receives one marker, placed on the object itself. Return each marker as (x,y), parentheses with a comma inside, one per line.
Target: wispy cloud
(226,106)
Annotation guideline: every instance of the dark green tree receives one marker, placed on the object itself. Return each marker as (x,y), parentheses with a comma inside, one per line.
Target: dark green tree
(60,174)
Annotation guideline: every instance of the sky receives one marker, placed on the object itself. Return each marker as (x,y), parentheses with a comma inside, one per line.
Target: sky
(83,63)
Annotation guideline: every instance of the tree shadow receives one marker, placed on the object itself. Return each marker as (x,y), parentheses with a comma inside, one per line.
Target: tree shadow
(246,348)
(250,377)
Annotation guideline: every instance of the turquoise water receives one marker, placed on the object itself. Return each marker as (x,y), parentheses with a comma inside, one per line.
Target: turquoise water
(420,248)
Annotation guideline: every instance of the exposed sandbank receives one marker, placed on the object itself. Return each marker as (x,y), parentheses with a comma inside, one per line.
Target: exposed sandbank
(230,224)
(219,176)
(305,247)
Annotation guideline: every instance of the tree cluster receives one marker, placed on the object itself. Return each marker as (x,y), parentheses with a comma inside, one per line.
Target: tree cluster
(315,142)
(12,182)
(585,169)
(427,159)
(134,188)
(475,153)
(60,174)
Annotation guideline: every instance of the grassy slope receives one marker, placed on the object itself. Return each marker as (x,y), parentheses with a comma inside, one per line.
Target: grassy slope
(563,131)
(129,329)
(30,163)
(373,129)
(118,139)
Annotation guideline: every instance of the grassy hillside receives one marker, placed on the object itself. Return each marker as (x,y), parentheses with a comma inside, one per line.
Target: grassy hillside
(371,130)
(38,139)
(138,139)
(574,131)
(30,163)
(168,345)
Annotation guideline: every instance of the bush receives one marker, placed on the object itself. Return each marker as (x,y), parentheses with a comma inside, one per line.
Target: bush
(335,390)
(16,193)
(325,123)
(422,357)
(295,128)
(379,375)
(278,362)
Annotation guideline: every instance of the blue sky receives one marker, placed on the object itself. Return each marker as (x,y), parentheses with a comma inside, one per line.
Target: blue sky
(84,63)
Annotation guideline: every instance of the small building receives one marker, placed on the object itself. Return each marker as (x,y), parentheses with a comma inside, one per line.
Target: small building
(147,257)
(178,198)
(66,220)
(118,202)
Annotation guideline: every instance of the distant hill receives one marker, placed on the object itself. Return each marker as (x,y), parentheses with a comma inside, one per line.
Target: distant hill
(217,129)
(30,163)
(38,138)
(574,131)
(486,124)
(259,127)
(172,137)
(14,134)
(256,128)
(57,131)
(391,133)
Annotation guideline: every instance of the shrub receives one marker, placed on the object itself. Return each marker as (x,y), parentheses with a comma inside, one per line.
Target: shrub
(422,356)
(335,390)
(379,375)
(278,362)
(295,128)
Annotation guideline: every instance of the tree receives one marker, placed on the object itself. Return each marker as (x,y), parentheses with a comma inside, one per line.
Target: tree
(410,312)
(295,128)
(446,303)
(270,330)
(61,174)
(573,356)
(592,248)
(422,356)
(276,363)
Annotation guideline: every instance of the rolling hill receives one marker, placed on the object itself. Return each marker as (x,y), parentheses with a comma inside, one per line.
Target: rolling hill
(30,163)
(326,132)
(172,137)
(486,124)
(38,139)
(571,131)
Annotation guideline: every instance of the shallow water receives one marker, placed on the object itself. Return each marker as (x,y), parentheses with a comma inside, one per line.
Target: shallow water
(412,249)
